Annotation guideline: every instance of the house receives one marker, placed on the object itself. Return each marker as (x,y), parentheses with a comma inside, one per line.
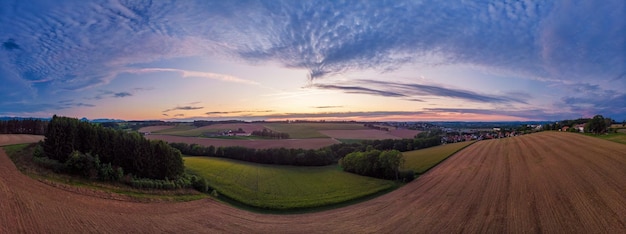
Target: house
(580,127)
(564,129)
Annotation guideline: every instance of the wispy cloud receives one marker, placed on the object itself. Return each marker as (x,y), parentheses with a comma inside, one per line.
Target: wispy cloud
(185,74)
(327,107)
(241,112)
(412,91)
(10,45)
(103,94)
(185,108)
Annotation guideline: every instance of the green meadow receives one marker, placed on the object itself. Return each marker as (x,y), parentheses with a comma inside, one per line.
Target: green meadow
(284,187)
(421,160)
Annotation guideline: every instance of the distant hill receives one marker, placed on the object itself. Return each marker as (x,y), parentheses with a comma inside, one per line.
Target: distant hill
(5,118)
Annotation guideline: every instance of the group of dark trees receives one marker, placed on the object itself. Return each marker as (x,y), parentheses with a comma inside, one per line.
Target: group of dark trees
(421,140)
(375,163)
(597,125)
(70,139)
(277,156)
(23,126)
(270,134)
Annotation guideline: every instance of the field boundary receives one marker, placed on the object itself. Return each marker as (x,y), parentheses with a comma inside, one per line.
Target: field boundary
(449,156)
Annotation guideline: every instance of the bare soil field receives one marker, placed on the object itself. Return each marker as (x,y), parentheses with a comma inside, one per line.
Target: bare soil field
(313,143)
(154,128)
(366,134)
(371,134)
(10,139)
(404,133)
(545,182)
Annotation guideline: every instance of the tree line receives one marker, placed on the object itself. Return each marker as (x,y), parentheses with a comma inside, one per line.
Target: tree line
(421,141)
(69,139)
(270,134)
(277,156)
(23,126)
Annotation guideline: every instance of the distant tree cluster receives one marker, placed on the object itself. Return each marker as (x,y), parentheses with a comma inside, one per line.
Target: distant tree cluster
(69,139)
(270,134)
(277,156)
(422,140)
(23,126)
(598,124)
(375,163)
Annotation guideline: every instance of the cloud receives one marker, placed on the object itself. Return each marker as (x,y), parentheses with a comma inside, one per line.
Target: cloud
(411,90)
(185,108)
(10,45)
(186,74)
(327,107)
(103,94)
(244,112)
(528,114)
(122,94)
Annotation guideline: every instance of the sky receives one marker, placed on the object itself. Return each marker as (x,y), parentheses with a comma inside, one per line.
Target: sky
(318,60)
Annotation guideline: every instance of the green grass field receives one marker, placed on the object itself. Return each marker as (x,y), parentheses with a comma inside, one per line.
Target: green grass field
(618,137)
(283,187)
(311,130)
(422,160)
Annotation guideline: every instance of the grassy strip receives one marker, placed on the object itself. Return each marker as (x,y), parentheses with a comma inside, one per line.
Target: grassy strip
(284,187)
(21,155)
(614,137)
(422,160)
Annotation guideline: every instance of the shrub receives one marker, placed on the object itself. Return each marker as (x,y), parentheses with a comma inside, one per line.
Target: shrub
(82,164)
(406,176)
(201,184)
(52,164)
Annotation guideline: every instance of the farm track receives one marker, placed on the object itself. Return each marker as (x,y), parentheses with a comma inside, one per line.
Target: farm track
(545,182)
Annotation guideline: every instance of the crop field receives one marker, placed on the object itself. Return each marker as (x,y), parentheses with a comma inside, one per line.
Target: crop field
(250,143)
(547,182)
(619,137)
(365,134)
(311,130)
(283,187)
(10,139)
(188,130)
(422,160)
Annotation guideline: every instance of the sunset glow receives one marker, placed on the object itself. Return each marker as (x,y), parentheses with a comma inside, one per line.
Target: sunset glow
(354,60)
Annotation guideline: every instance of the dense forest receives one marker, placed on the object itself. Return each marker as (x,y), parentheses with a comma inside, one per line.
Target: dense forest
(23,126)
(68,139)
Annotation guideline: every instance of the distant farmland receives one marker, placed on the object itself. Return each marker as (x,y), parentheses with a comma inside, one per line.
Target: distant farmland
(302,135)
(250,143)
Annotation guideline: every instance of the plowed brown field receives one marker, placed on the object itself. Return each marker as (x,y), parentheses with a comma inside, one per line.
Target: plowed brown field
(314,143)
(545,182)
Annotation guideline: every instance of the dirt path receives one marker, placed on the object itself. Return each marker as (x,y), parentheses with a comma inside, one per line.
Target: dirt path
(545,182)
